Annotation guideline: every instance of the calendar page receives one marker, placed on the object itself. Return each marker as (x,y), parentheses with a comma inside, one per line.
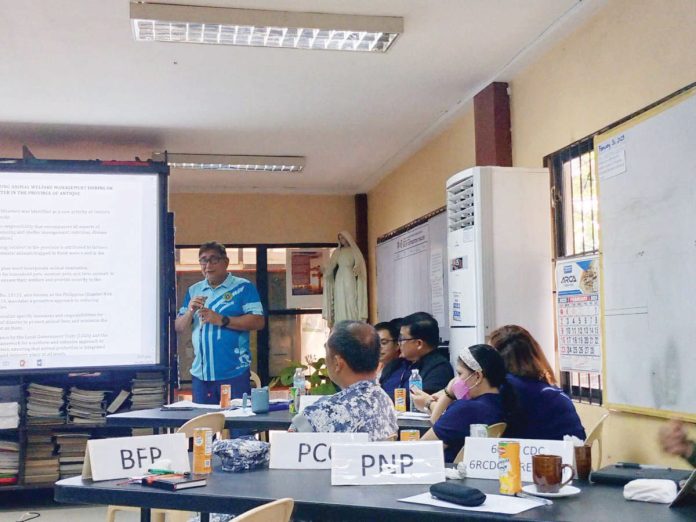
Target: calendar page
(577,314)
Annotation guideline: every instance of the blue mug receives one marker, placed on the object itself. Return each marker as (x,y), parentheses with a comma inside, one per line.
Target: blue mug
(259,400)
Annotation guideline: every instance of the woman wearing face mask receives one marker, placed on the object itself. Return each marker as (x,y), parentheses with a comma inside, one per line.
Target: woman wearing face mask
(475,396)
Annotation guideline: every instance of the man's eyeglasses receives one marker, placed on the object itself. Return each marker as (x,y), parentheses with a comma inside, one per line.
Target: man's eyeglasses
(402,340)
(213,260)
(385,342)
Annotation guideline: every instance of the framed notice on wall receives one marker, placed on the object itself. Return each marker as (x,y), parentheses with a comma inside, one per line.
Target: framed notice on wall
(578,314)
(304,279)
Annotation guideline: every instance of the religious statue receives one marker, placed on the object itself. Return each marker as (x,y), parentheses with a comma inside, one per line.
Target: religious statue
(345,283)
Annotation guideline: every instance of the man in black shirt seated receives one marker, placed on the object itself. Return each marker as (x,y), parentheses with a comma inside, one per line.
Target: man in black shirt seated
(418,340)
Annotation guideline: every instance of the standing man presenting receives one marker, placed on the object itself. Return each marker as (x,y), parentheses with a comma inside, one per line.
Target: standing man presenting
(223,309)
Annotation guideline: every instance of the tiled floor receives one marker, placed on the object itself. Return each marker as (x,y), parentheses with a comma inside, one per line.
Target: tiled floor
(13,507)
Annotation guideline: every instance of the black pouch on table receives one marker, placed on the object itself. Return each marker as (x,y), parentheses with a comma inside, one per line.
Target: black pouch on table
(457,494)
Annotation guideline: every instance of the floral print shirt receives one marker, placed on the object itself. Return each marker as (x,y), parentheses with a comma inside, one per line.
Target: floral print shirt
(362,407)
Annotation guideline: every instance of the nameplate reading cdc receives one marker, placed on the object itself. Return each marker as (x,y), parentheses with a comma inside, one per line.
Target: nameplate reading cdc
(481,455)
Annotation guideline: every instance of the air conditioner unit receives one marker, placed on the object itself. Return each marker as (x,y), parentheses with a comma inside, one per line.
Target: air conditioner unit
(499,251)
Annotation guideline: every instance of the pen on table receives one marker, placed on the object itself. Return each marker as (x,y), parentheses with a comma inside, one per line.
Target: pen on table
(544,501)
(156,471)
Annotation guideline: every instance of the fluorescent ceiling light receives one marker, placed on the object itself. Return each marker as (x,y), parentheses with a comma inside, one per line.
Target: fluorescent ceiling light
(257,28)
(228,162)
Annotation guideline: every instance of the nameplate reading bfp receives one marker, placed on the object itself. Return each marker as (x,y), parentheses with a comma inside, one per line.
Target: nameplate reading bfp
(307,450)
(374,463)
(107,459)
(481,455)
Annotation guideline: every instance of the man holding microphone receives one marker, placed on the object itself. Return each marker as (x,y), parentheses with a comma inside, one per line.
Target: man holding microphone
(223,310)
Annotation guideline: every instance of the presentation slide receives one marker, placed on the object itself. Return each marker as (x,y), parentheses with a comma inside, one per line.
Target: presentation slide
(79,270)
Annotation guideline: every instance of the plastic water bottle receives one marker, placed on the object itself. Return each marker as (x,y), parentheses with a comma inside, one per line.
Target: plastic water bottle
(298,381)
(415,381)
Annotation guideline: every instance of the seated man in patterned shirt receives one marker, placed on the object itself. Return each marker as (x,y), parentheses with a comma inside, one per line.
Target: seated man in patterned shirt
(352,354)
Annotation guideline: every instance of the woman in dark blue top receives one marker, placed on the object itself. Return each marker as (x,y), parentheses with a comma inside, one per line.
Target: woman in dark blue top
(478,395)
(549,413)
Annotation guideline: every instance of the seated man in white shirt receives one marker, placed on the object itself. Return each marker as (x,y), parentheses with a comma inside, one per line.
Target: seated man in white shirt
(352,354)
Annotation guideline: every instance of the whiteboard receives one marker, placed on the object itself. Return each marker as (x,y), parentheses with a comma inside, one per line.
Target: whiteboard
(411,273)
(647,205)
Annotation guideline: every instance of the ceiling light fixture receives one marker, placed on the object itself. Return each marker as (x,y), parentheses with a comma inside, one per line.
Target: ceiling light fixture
(258,28)
(229,162)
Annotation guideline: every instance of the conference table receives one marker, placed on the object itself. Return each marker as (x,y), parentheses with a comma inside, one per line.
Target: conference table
(316,499)
(159,418)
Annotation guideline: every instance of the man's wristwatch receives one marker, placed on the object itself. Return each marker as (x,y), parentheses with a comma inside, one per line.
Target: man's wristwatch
(225,321)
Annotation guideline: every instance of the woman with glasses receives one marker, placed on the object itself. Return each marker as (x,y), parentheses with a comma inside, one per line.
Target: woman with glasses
(549,413)
(478,395)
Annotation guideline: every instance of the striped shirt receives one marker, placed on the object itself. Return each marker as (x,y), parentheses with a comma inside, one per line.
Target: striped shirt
(222,353)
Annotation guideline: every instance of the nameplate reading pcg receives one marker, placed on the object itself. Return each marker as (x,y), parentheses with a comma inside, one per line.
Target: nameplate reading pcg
(307,450)
(107,459)
(375,463)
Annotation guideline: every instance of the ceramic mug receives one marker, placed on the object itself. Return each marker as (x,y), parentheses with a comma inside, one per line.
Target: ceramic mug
(547,472)
(259,400)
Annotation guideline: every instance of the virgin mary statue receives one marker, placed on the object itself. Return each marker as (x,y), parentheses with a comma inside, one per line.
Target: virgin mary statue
(345,283)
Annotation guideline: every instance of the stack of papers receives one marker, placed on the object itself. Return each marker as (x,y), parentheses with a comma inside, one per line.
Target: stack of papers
(71,452)
(148,389)
(10,396)
(44,404)
(9,415)
(86,406)
(40,445)
(9,462)
(41,463)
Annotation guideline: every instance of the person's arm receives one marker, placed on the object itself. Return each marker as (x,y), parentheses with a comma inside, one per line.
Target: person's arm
(189,308)
(674,440)
(247,322)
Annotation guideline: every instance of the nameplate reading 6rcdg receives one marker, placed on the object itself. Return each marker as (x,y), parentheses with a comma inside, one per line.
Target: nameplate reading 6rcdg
(107,459)
(307,450)
(481,455)
(374,463)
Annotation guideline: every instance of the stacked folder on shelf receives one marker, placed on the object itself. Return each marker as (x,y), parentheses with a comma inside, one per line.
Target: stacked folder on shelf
(148,390)
(41,462)
(9,462)
(45,404)
(86,406)
(71,447)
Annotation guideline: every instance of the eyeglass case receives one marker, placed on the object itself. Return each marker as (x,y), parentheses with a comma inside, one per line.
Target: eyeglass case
(457,494)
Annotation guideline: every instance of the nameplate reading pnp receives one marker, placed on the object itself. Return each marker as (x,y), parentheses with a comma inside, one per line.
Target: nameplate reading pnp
(481,455)
(107,459)
(374,463)
(307,450)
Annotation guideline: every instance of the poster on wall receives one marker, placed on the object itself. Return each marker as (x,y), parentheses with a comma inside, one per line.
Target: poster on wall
(303,278)
(577,314)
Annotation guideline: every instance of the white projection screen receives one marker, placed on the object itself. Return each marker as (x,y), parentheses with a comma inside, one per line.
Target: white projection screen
(81,264)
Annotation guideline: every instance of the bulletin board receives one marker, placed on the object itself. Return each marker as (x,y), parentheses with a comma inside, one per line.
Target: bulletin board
(647,211)
(411,271)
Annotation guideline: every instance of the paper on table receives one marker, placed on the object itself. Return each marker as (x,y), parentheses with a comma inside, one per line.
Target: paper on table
(189,404)
(412,415)
(494,503)
(238,413)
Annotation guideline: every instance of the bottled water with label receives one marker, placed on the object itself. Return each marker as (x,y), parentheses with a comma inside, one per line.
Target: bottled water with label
(415,381)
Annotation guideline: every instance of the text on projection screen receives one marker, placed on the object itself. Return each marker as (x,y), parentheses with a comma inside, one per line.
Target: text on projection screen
(78,270)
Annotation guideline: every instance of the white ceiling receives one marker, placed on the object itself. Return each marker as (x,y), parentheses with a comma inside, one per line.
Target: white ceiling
(73,73)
